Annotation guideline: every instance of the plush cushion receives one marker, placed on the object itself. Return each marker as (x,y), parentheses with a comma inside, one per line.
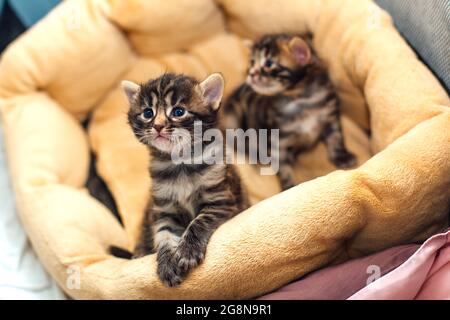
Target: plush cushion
(396,119)
(21,274)
(425,25)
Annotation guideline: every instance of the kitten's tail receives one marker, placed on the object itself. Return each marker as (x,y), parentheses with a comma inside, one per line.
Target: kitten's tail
(120,253)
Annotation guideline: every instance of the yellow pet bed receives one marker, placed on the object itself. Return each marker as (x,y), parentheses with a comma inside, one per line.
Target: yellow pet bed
(396,119)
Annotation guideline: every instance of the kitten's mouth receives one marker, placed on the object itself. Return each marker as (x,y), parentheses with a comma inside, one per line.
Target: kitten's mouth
(161,142)
(161,136)
(264,86)
(258,81)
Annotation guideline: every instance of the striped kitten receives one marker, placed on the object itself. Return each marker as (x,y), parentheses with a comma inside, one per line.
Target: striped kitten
(288,88)
(189,201)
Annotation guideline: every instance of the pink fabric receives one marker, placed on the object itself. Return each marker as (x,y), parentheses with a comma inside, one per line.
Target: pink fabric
(425,275)
(341,281)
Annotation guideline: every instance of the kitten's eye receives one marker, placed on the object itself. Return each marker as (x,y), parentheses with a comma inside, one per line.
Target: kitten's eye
(268,63)
(178,112)
(148,113)
(252,61)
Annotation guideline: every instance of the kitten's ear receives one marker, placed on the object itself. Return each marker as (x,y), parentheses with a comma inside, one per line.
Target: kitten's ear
(300,51)
(131,90)
(212,90)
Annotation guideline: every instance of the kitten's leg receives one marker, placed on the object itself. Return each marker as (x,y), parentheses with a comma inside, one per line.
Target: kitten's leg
(167,234)
(286,169)
(334,140)
(192,247)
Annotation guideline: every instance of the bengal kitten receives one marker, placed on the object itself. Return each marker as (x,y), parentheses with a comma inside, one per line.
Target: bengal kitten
(189,201)
(288,88)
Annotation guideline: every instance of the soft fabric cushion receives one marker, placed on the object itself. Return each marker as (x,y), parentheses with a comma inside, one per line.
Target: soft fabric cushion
(21,273)
(71,63)
(425,25)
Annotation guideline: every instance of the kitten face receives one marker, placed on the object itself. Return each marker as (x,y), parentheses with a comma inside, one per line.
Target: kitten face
(163,111)
(277,63)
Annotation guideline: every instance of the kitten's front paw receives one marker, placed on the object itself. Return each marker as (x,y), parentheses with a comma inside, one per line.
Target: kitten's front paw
(188,256)
(344,160)
(169,271)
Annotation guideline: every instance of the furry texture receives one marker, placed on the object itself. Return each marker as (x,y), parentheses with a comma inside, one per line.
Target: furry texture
(288,88)
(58,72)
(189,200)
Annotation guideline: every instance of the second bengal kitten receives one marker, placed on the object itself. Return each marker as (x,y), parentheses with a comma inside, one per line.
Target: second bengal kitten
(189,200)
(288,88)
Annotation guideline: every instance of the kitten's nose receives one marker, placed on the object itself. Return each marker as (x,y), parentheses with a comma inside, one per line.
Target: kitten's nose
(158,127)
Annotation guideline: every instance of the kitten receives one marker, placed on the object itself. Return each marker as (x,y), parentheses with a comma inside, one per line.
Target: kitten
(189,201)
(288,88)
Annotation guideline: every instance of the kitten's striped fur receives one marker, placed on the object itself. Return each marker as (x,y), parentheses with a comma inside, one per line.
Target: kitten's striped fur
(293,93)
(189,201)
